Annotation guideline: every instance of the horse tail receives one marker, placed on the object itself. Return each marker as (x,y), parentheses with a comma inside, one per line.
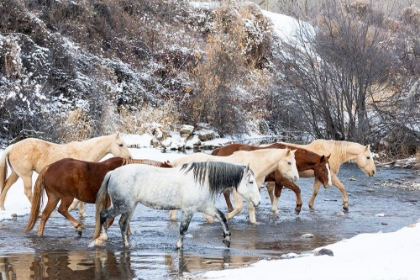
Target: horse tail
(101,200)
(37,200)
(3,166)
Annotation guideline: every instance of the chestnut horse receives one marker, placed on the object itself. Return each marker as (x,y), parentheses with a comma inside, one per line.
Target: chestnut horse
(305,160)
(262,162)
(341,152)
(32,154)
(69,178)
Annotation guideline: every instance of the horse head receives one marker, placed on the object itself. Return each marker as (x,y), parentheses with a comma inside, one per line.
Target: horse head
(248,187)
(118,147)
(365,161)
(287,166)
(322,171)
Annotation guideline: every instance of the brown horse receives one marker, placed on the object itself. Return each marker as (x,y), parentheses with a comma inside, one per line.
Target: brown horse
(305,160)
(32,154)
(69,178)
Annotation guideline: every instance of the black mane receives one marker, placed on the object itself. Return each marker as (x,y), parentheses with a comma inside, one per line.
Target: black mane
(220,175)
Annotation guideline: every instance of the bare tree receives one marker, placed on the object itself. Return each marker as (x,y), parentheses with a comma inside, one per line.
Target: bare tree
(332,76)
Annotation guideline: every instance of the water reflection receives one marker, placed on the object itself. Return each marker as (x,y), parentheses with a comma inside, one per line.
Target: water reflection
(64,264)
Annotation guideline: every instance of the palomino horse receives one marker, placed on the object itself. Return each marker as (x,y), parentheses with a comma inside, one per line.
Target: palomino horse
(341,152)
(305,160)
(69,178)
(262,162)
(32,154)
(190,187)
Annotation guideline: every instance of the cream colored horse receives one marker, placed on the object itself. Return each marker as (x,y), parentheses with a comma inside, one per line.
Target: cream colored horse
(32,154)
(341,152)
(262,162)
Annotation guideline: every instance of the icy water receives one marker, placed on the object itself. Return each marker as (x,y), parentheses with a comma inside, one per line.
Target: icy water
(62,254)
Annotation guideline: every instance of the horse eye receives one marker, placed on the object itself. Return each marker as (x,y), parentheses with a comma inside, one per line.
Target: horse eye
(120,145)
(289,163)
(368,157)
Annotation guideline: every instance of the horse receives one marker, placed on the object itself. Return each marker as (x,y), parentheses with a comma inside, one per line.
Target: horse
(341,152)
(141,161)
(33,154)
(189,187)
(305,160)
(262,162)
(69,178)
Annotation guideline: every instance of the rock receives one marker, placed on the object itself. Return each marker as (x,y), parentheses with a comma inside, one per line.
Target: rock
(14,215)
(308,235)
(352,179)
(384,223)
(205,135)
(323,252)
(341,213)
(380,215)
(186,130)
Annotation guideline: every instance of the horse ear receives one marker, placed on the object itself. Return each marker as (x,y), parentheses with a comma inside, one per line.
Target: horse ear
(367,147)
(117,135)
(247,168)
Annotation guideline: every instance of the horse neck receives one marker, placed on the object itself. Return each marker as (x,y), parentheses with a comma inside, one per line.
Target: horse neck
(93,149)
(269,161)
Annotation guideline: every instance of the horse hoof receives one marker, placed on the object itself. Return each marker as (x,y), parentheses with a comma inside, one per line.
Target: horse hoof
(227,243)
(346,209)
(298,209)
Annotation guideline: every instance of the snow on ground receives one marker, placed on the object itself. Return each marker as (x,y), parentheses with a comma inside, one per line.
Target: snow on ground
(390,256)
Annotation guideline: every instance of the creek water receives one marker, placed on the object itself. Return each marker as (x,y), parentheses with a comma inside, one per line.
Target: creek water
(381,203)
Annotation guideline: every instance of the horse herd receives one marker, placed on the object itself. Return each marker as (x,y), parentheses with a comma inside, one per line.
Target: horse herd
(71,173)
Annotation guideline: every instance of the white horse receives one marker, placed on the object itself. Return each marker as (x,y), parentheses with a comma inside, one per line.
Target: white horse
(31,154)
(341,152)
(262,162)
(190,187)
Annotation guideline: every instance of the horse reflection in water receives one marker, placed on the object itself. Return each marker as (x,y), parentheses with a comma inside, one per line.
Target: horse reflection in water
(190,187)
(63,264)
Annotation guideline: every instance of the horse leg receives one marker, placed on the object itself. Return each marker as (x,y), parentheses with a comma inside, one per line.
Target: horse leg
(9,182)
(172,215)
(185,222)
(239,204)
(104,215)
(315,190)
(82,209)
(270,190)
(124,225)
(276,197)
(336,182)
(27,183)
(51,204)
(74,204)
(63,210)
(226,194)
(213,211)
(295,188)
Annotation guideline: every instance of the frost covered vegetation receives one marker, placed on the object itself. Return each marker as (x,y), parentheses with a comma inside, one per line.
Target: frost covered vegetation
(78,69)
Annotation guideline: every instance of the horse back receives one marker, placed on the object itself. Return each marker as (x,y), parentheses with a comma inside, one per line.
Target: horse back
(81,179)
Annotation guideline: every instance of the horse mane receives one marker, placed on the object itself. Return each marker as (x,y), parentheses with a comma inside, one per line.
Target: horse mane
(220,175)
